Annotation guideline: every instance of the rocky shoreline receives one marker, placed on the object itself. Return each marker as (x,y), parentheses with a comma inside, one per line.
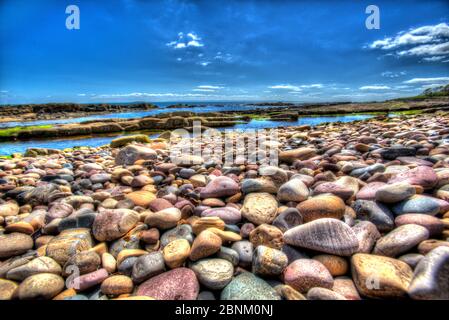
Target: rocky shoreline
(353,211)
(184,119)
(169,121)
(24,113)
(53,111)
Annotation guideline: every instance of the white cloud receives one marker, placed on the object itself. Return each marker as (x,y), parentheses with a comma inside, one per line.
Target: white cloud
(390,74)
(430,86)
(210,87)
(207,88)
(374,88)
(81,94)
(421,42)
(435,58)
(427,80)
(402,87)
(427,50)
(224,57)
(145,94)
(405,39)
(204,90)
(180,43)
(286,87)
(315,86)
(178,59)
(205,63)
(193,36)
(194,43)
(426,34)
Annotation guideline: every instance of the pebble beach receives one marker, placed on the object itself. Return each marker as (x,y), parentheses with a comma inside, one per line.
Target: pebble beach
(352,211)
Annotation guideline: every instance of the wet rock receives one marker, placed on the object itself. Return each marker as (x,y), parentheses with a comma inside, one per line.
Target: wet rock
(176,284)
(176,252)
(375,212)
(293,190)
(338,190)
(401,240)
(367,235)
(164,219)
(214,274)
(205,244)
(147,266)
(229,254)
(422,176)
(117,285)
(288,293)
(297,154)
(266,235)
(428,245)
(14,244)
(111,224)
(368,192)
(68,243)
(130,154)
(89,280)
(84,262)
(431,278)
(396,192)
(412,259)
(35,266)
(42,286)
(417,204)
(394,152)
(183,231)
(323,206)
(304,274)
(108,262)
(229,215)
(141,198)
(380,277)
(346,287)
(247,286)
(123,141)
(323,294)
(7,289)
(245,251)
(9,209)
(220,187)
(325,235)
(141,181)
(434,225)
(262,184)
(268,261)
(336,265)
(288,219)
(259,208)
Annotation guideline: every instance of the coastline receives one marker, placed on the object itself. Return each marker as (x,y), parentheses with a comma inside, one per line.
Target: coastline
(331,179)
(180,119)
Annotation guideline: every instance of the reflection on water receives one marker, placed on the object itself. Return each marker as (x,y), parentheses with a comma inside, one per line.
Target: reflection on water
(7,148)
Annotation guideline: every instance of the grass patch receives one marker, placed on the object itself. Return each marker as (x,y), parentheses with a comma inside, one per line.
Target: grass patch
(407,112)
(9,132)
(366,113)
(254,116)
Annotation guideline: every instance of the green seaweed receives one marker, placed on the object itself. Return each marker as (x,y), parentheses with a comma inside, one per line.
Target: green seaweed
(13,131)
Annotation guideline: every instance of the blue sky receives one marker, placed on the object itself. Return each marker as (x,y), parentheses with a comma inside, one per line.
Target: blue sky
(305,51)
